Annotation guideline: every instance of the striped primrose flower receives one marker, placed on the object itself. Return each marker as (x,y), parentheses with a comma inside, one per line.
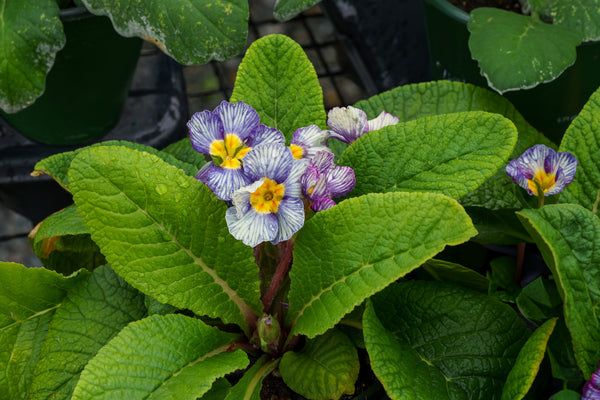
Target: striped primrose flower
(227,134)
(307,141)
(591,389)
(270,208)
(350,123)
(540,165)
(323,181)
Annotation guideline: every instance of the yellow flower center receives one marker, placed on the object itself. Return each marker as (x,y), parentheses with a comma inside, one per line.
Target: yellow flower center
(267,197)
(230,151)
(546,182)
(297,151)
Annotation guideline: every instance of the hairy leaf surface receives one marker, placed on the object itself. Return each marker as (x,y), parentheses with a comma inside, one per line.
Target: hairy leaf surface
(347,253)
(165,233)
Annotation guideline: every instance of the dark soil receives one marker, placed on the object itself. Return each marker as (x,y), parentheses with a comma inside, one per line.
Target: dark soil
(468,5)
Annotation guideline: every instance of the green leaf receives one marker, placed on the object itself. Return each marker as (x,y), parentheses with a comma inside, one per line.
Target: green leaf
(165,233)
(515,51)
(326,368)
(28,300)
(93,312)
(445,271)
(539,300)
(567,237)
(502,279)
(190,31)
(451,154)
(499,227)
(160,357)
(347,253)
(419,100)
(562,357)
(63,243)
(582,139)
(218,391)
(432,340)
(528,362)
(287,9)
(580,16)
(249,387)
(57,166)
(31,36)
(183,151)
(566,395)
(278,80)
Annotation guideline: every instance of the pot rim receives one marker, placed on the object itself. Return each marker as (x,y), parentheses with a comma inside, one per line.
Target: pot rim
(452,11)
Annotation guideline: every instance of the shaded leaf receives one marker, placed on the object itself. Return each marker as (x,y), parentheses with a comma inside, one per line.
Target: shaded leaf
(287,9)
(249,387)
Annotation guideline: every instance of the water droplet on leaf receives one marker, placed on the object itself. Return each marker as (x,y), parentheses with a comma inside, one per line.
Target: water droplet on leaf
(161,188)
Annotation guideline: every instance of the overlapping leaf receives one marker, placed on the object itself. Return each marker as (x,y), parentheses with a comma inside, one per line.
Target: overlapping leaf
(568,236)
(515,51)
(160,357)
(419,100)
(28,301)
(31,36)
(191,31)
(451,154)
(345,254)
(165,233)
(287,9)
(326,368)
(249,387)
(432,341)
(582,139)
(580,16)
(277,79)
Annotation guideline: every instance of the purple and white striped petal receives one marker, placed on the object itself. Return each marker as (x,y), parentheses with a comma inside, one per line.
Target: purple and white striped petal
(311,139)
(322,204)
(320,189)
(290,218)
(241,197)
(223,181)
(591,389)
(273,161)
(252,228)
(383,119)
(293,183)
(347,123)
(340,181)
(309,179)
(238,118)
(205,127)
(323,160)
(512,169)
(534,160)
(568,163)
(263,134)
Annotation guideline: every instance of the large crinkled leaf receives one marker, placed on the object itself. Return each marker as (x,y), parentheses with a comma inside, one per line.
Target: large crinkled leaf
(183,151)
(435,341)
(249,387)
(93,312)
(171,357)
(287,9)
(28,300)
(278,80)
(582,139)
(419,100)
(528,362)
(63,243)
(450,154)
(347,253)
(578,15)
(326,367)
(165,233)
(30,37)
(57,166)
(191,31)
(515,51)
(569,237)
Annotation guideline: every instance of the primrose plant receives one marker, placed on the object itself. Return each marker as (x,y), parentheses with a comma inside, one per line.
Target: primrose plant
(279,240)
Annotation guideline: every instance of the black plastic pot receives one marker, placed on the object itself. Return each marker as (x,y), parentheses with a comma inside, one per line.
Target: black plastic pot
(155,114)
(87,85)
(550,107)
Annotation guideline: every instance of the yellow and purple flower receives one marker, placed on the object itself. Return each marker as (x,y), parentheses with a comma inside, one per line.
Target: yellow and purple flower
(227,134)
(308,141)
(323,181)
(541,166)
(270,207)
(350,123)
(591,389)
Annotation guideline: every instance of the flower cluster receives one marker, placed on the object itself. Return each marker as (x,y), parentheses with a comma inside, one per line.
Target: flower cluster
(266,183)
(542,169)
(591,389)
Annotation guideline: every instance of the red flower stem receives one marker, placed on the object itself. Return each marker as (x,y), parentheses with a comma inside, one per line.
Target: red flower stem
(280,273)
(520,258)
